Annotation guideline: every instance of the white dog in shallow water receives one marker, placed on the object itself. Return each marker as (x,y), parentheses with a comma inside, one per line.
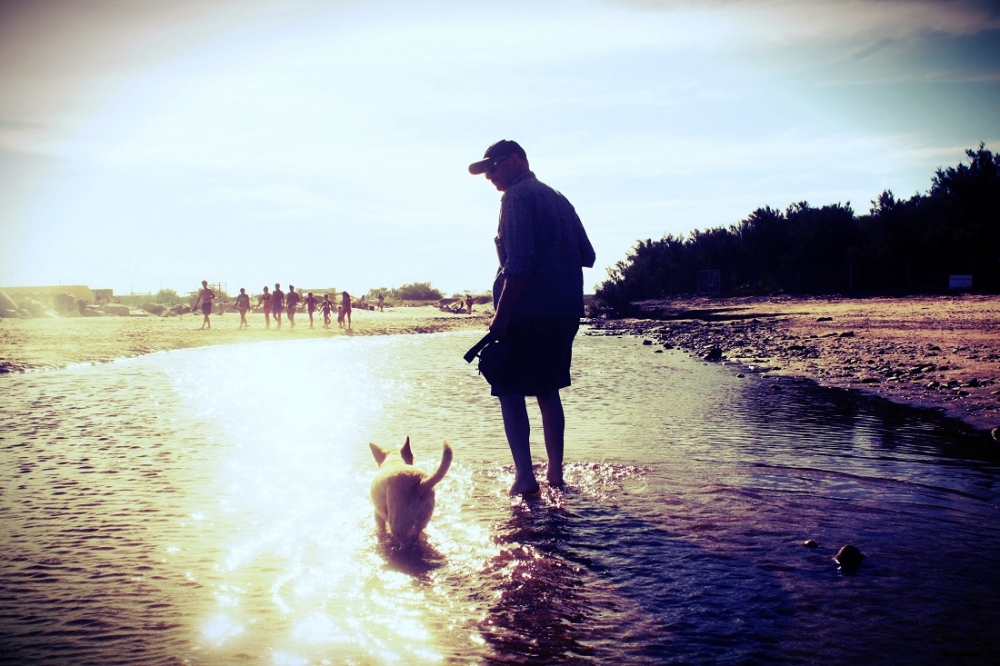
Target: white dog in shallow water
(402,494)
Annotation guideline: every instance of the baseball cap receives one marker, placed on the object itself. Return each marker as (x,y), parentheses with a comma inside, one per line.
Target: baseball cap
(502,148)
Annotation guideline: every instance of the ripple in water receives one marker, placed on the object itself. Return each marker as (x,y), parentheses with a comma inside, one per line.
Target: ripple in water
(211,506)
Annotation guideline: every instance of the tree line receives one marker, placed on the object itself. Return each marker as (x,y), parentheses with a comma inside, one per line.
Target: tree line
(910,246)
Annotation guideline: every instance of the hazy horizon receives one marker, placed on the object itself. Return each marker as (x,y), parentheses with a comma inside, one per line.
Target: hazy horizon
(147,146)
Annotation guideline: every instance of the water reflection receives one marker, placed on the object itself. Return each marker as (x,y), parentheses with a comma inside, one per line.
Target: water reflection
(212,506)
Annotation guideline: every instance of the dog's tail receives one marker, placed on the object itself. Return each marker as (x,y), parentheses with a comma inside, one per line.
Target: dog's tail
(431,481)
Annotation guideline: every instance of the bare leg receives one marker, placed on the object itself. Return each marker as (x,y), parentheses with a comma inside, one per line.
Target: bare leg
(515,424)
(554,425)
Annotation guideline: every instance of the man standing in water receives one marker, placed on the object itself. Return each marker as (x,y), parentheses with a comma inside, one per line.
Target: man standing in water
(205,296)
(538,303)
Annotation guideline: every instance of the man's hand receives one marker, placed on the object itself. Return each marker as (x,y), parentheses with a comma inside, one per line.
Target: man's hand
(513,285)
(499,324)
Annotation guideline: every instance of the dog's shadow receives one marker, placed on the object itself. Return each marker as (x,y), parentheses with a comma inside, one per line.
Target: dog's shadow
(417,559)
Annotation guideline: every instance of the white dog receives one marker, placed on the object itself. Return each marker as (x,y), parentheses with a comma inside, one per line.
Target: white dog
(402,494)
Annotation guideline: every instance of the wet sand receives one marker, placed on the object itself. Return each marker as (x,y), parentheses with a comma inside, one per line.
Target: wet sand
(34,344)
(939,353)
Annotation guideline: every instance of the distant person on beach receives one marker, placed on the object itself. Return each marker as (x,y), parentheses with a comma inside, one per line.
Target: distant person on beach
(468,303)
(242,305)
(345,303)
(264,302)
(292,303)
(277,303)
(381,302)
(326,305)
(310,307)
(537,301)
(205,297)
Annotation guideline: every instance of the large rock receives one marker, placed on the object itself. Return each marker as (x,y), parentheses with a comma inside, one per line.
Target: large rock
(154,308)
(38,310)
(116,309)
(64,302)
(7,303)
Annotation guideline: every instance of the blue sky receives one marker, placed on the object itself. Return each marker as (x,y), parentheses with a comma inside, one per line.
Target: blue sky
(325,144)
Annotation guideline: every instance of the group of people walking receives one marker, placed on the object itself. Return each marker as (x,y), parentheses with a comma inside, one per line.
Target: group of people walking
(277,302)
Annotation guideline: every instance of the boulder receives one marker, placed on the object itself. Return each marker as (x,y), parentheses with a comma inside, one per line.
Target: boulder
(38,310)
(64,302)
(154,308)
(7,303)
(116,309)
(9,313)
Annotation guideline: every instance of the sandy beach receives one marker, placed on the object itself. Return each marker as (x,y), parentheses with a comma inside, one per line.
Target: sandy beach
(939,353)
(36,344)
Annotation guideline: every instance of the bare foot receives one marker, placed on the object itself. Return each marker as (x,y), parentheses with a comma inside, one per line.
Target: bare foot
(554,475)
(524,487)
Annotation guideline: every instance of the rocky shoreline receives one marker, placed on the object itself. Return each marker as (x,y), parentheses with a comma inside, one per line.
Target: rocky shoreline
(936,353)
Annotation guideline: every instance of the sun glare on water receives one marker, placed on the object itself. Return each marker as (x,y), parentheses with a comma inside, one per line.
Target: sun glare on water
(298,569)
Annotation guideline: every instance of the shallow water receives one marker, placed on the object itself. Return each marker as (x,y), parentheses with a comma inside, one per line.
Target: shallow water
(211,506)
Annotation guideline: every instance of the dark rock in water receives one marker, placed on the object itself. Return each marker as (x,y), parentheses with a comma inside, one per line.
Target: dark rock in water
(714,355)
(658,351)
(825,319)
(740,375)
(647,342)
(810,543)
(846,334)
(848,557)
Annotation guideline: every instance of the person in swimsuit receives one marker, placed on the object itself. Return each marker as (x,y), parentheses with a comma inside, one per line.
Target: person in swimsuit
(277,303)
(345,302)
(264,302)
(292,303)
(243,305)
(468,303)
(205,297)
(310,307)
(381,302)
(327,306)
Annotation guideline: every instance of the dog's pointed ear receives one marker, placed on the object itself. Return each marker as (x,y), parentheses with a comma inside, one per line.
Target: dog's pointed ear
(378,453)
(406,453)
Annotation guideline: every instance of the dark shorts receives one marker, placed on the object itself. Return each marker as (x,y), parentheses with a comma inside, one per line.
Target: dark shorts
(540,354)
(206,308)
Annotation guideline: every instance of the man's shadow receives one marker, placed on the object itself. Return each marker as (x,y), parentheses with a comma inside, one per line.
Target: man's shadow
(587,580)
